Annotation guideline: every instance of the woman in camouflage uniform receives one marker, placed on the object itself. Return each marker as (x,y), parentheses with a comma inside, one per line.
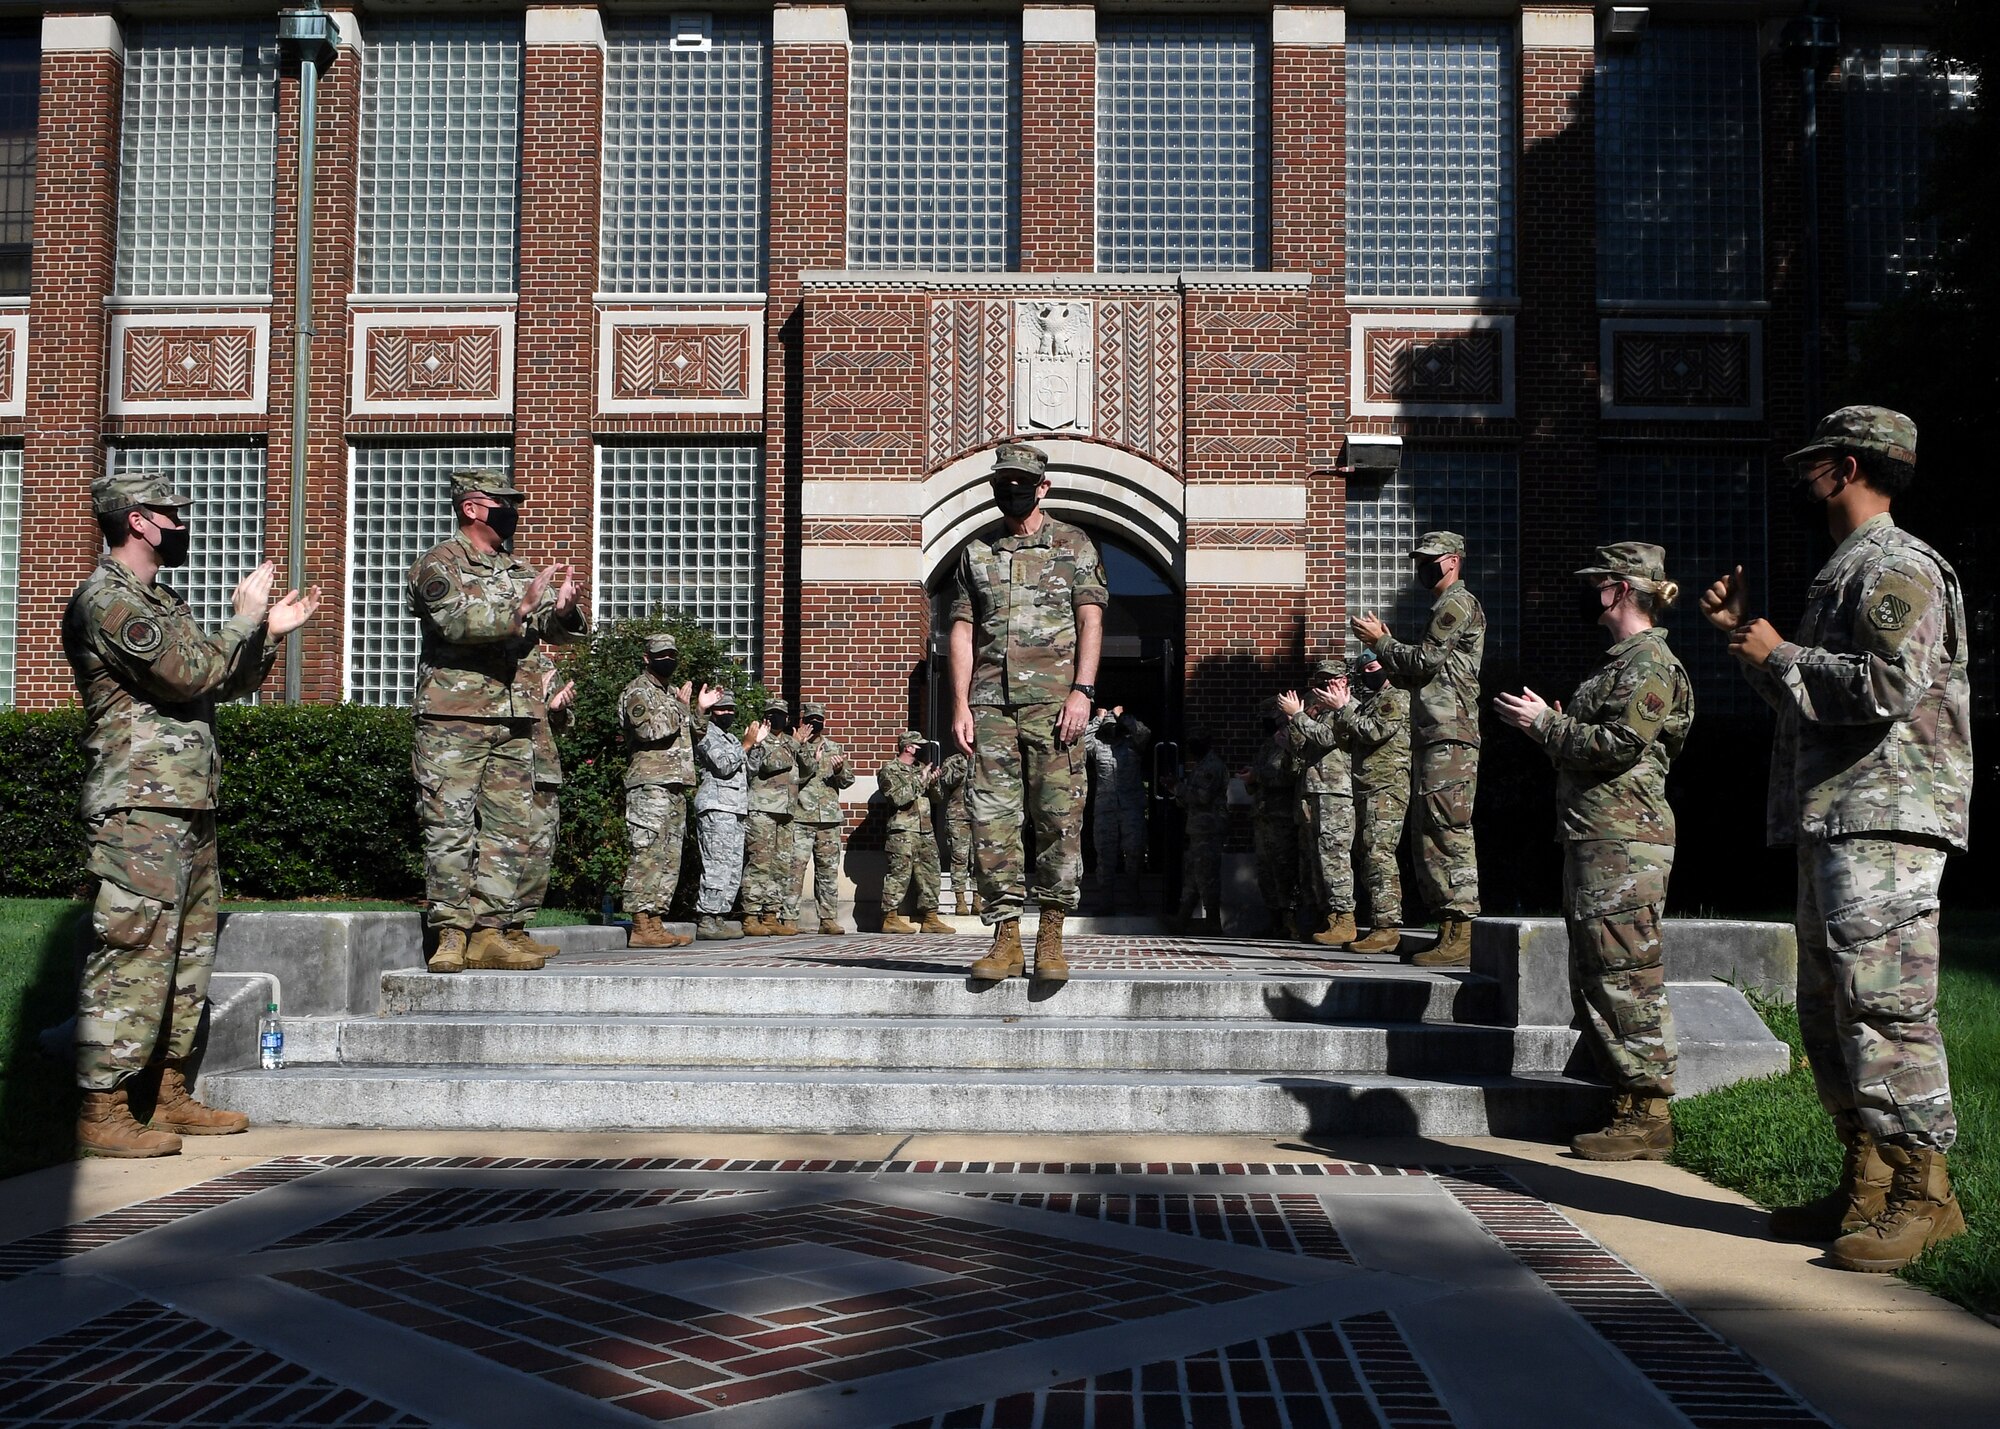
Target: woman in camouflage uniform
(1625,724)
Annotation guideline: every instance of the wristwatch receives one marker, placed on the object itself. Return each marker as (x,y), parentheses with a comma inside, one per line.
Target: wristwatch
(1089,692)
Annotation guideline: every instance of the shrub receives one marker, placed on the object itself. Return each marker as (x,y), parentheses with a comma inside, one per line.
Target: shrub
(41,775)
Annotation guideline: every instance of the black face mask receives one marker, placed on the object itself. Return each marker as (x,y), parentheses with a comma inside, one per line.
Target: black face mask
(1430,571)
(1272,726)
(1590,604)
(503,519)
(722,719)
(1373,679)
(780,724)
(1016,503)
(1111,733)
(662,669)
(172,547)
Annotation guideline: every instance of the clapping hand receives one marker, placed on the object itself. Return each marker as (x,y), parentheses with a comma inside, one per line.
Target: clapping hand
(292,611)
(1753,641)
(562,699)
(686,691)
(1290,703)
(710,696)
(566,592)
(1336,693)
(253,592)
(1726,603)
(1521,710)
(1369,627)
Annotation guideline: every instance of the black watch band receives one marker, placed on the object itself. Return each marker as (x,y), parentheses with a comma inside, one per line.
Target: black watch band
(1089,692)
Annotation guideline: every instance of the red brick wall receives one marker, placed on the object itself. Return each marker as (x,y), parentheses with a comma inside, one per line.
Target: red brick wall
(1252,644)
(1058,158)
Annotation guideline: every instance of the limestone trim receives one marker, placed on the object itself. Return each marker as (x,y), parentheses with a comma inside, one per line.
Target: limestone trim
(80,34)
(810,25)
(1558,29)
(255,353)
(861,565)
(1249,566)
(564,25)
(1245,501)
(1308,25)
(1059,24)
(896,499)
(14,373)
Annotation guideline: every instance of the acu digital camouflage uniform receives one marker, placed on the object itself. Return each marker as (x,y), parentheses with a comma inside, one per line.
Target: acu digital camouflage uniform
(823,773)
(1611,747)
(1274,828)
(768,833)
(1375,727)
(951,814)
(474,758)
(911,845)
(1118,790)
(548,778)
(149,679)
(721,804)
(660,732)
(1204,793)
(1442,670)
(1326,802)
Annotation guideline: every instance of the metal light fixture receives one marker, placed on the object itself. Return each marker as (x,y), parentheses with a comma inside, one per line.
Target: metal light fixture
(1622,24)
(1373,458)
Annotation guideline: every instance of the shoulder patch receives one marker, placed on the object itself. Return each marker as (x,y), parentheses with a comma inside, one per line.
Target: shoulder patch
(1889,612)
(1893,606)
(1445,619)
(435,587)
(141,635)
(1652,700)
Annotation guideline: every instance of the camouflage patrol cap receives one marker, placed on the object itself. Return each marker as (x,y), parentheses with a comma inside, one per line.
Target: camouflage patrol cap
(812,709)
(1862,429)
(663,643)
(484,481)
(1439,543)
(777,706)
(1019,456)
(1634,562)
(122,490)
(1330,667)
(728,700)
(909,739)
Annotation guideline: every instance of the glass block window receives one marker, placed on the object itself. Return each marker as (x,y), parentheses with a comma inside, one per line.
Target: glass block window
(681,528)
(227,486)
(1679,183)
(933,142)
(1473,491)
(685,138)
(1893,100)
(399,506)
(10,566)
(196,163)
(1183,147)
(1706,506)
(1430,160)
(20,94)
(440,156)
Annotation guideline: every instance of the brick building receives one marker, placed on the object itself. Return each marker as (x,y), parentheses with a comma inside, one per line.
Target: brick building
(746,294)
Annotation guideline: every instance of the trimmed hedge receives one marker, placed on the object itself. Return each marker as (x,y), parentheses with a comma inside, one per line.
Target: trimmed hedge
(41,773)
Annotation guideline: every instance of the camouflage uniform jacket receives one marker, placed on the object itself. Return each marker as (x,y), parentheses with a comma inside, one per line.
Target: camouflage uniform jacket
(149,679)
(1873,698)
(464,601)
(820,783)
(774,775)
(1204,793)
(1021,595)
(902,787)
(725,774)
(1274,779)
(1443,668)
(1375,727)
(536,665)
(660,732)
(1316,744)
(950,788)
(1612,743)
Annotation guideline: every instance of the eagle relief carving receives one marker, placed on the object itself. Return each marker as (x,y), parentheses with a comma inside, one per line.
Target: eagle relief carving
(1054,371)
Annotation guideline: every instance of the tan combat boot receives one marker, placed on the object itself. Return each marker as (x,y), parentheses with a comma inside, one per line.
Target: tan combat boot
(895,922)
(832,928)
(1050,964)
(1378,940)
(519,940)
(104,1127)
(1921,1211)
(1003,959)
(961,905)
(931,923)
(649,932)
(450,954)
(1454,946)
(1339,931)
(176,1110)
(488,951)
(1641,1129)
(978,905)
(781,927)
(1858,1199)
(754,926)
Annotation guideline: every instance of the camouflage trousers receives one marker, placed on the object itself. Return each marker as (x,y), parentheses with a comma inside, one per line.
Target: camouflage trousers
(1378,832)
(912,859)
(1276,841)
(656,831)
(1118,834)
(1868,982)
(767,862)
(1613,896)
(541,850)
(145,981)
(475,801)
(1020,776)
(816,846)
(955,840)
(1201,866)
(1328,847)
(719,835)
(1446,858)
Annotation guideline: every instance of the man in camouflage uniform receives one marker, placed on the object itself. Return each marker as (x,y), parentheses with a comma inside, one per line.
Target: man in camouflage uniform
(660,731)
(1204,793)
(1373,718)
(552,714)
(951,813)
(721,804)
(823,773)
(773,759)
(1870,776)
(911,848)
(1443,670)
(481,612)
(1327,800)
(149,679)
(1027,622)
(1113,744)
(1272,780)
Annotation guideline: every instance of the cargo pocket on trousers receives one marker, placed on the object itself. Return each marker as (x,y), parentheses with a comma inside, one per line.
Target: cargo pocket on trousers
(124,919)
(1449,806)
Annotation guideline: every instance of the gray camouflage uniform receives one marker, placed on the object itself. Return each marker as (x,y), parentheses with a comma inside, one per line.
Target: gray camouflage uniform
(1204,793)
(1326,809)
(659,730)
(1118,784)
(721,804)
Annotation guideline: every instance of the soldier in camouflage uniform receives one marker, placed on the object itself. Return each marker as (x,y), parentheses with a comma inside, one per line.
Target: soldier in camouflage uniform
(721,804)
(481,612)
(149,679)
(911,848)
(1027,621)
(552,714)
(660,731)
(823,773)
(1112,745)
(768,833)
(1204,793)
(1443,671)
(1272,780)
(1611,747)
(1373,718)
(951,813)
(1326,800)
(1871,773)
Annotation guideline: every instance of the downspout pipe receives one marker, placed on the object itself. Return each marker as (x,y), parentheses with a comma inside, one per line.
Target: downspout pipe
(308,37)
(1813,36)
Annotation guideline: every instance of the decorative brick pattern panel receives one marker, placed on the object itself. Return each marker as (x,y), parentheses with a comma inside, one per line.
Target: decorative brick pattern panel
(862,533)
(1218,534)
(1058,158)
(1139,378)
(1691,370)
(971,374)
(696,362)
(192,367)
(1420,366)
(440,364)
(13,364)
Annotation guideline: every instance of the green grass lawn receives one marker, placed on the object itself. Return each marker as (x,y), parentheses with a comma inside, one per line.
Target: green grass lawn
(1770,1140)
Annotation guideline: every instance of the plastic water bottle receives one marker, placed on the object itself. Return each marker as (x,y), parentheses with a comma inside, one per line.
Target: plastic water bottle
(270,1040)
